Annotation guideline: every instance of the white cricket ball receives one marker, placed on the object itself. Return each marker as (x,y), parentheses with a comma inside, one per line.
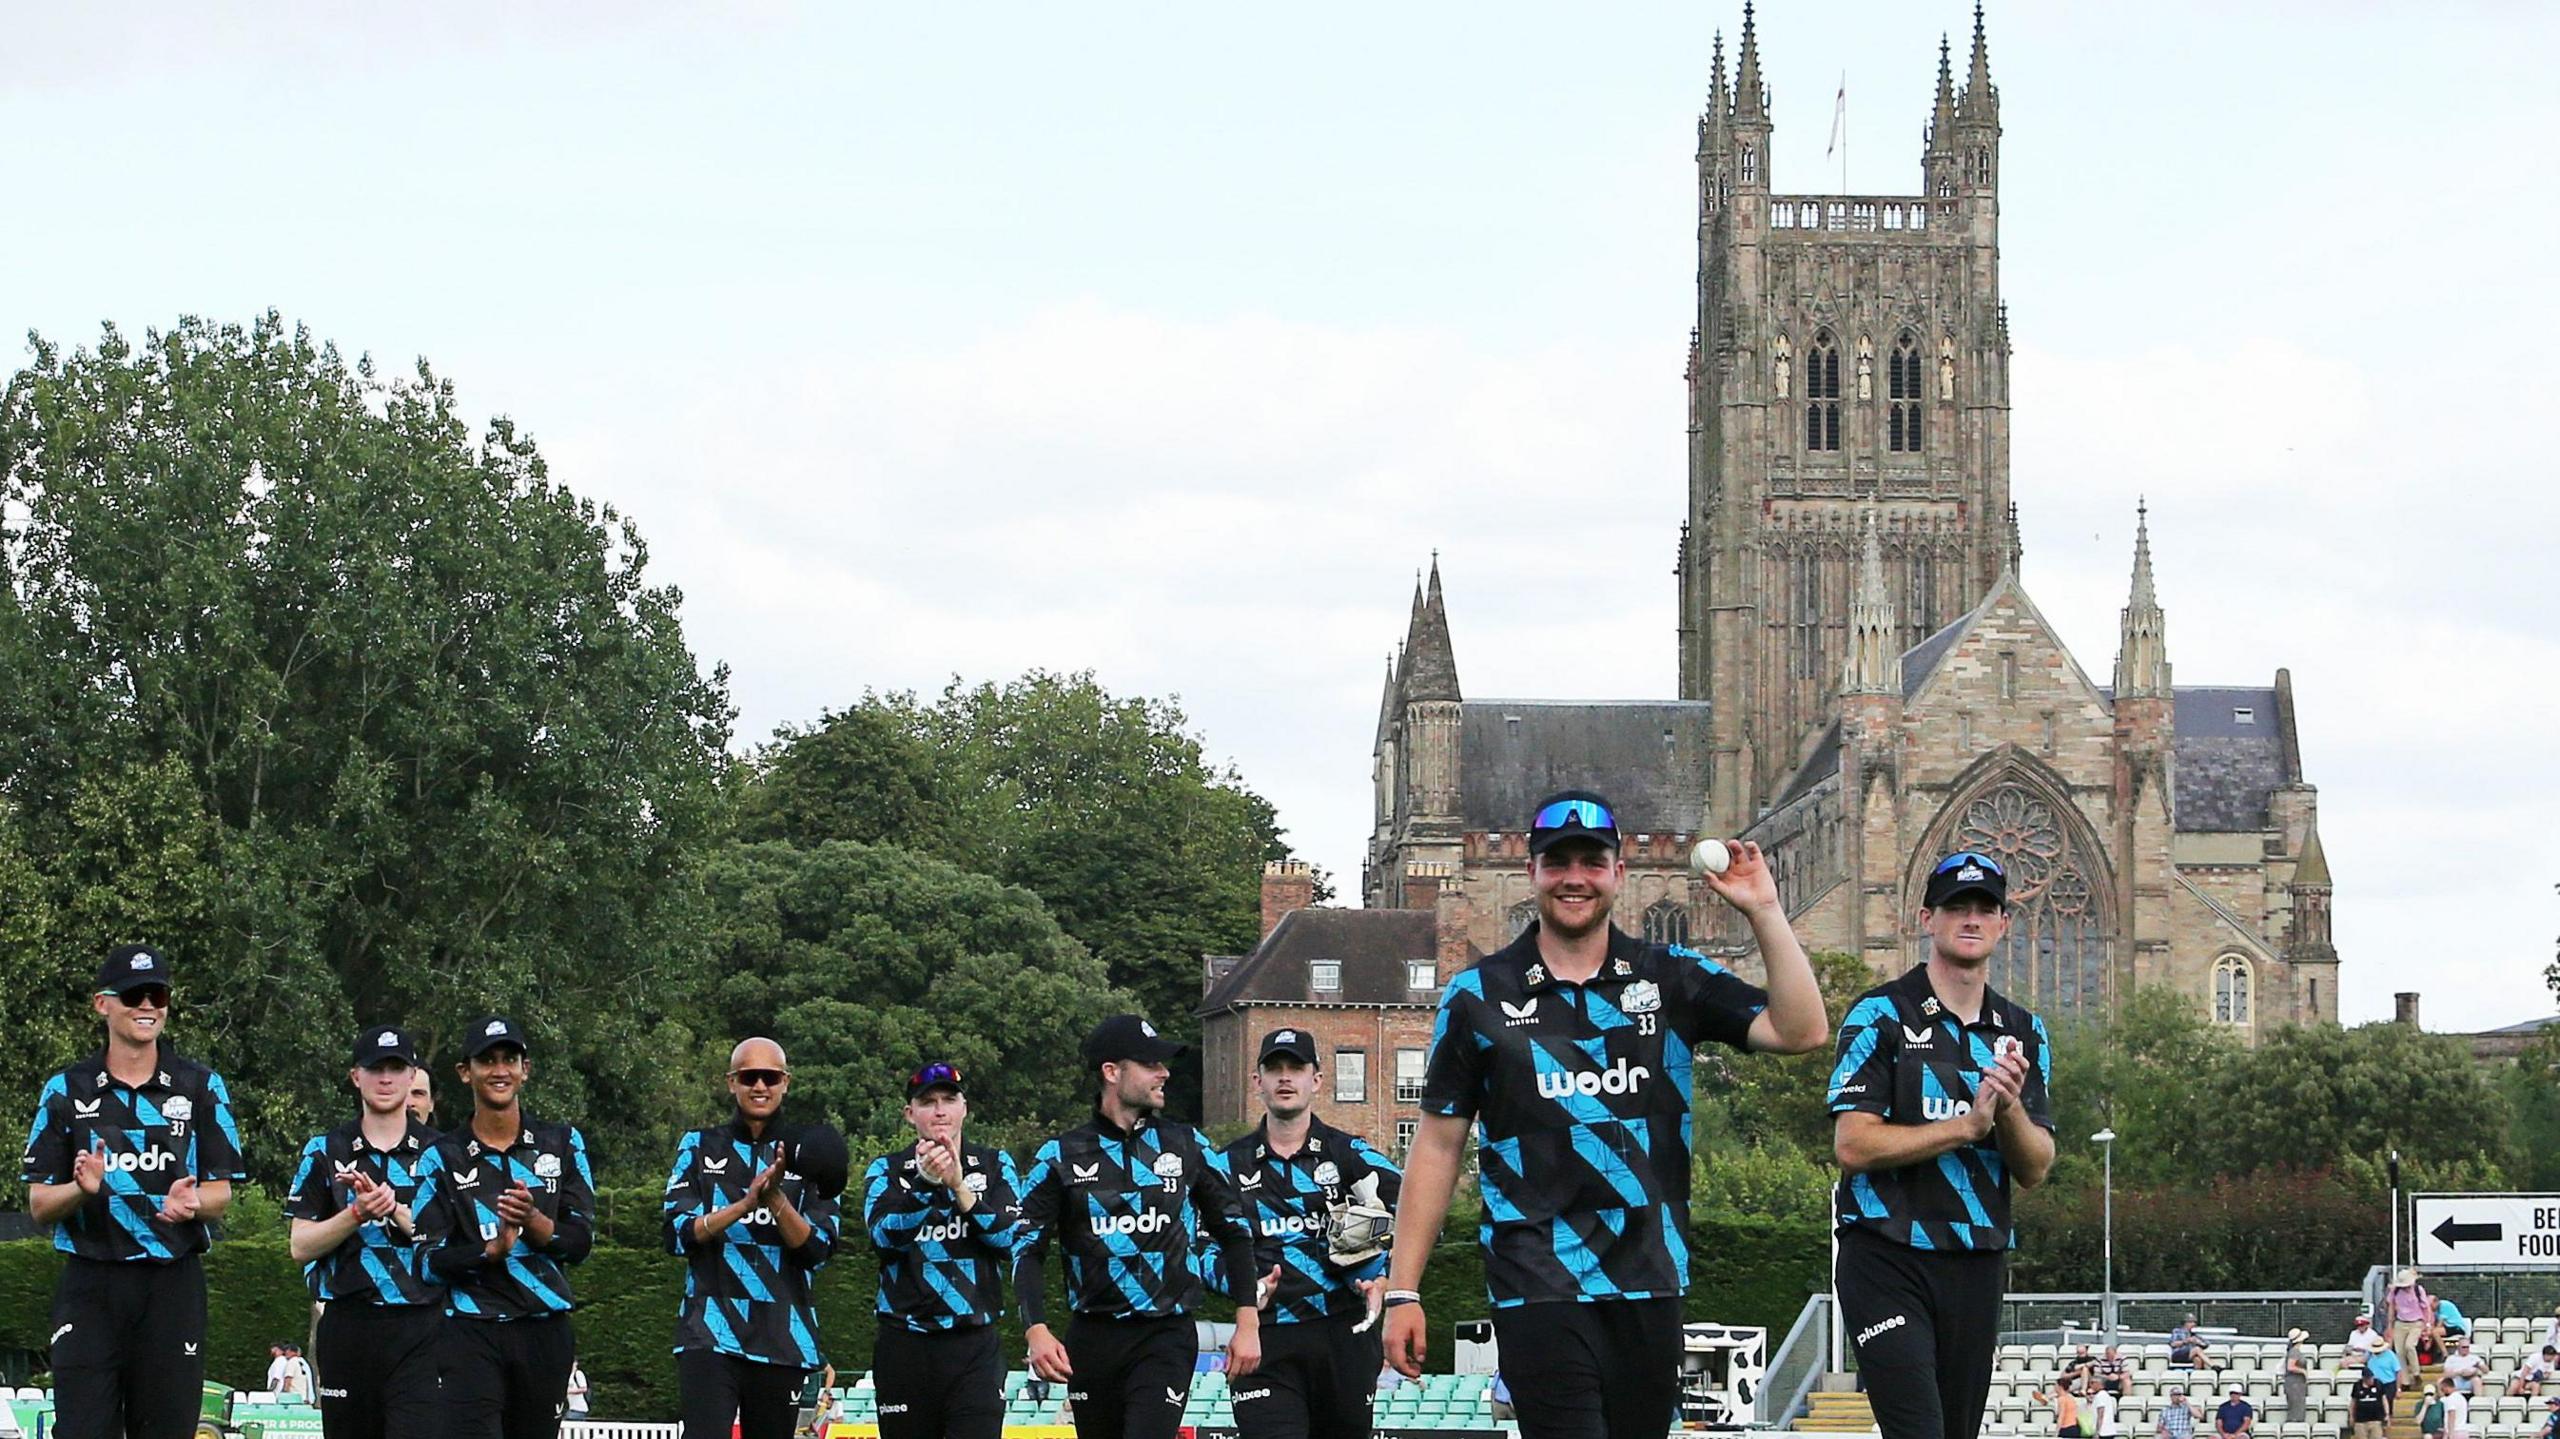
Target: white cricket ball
(1709,856)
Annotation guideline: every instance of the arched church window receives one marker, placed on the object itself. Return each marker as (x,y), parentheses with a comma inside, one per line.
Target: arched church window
(1750,165)
(1822,393)
(1804,613)
(1520,916)
(1666,921)
(1982,165)
(1902,396)
(2232,990)
(2054,957)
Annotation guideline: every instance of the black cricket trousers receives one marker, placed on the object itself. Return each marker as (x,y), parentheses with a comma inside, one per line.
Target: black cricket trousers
(1925,1324)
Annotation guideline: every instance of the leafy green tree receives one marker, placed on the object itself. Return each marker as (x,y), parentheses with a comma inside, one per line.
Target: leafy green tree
(866,961)
(1757,1101)
(1102,806)
(357,716)
(2319,1095)
(2142,1071)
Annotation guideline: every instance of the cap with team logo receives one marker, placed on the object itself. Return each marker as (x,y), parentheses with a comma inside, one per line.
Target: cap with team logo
(129,967)
(488,1032)
(1129,1036)
(1967,872)
(1296,1043)
(385,1041)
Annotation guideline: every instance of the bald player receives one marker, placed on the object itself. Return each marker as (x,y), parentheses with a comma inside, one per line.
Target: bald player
(753,1234)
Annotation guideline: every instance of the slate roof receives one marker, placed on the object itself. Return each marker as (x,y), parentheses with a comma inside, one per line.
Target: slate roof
(1372,945)
(1648,756)
(2227,770)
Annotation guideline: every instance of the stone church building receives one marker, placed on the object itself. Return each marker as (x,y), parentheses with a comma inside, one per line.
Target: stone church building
(1865,681)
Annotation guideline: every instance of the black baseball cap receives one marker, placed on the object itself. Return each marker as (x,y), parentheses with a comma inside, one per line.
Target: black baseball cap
(490,1031)
(1296,1043)
(384,1041)
(1572,814)
(936,1075)
(819,1155)
(129,967)
(1129,1036)
(1967,872)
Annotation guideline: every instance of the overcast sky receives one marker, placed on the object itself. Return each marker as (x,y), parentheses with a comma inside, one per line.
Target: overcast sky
(1169,341)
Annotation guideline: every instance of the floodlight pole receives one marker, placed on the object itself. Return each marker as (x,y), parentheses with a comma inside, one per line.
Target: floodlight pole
(2105,1139)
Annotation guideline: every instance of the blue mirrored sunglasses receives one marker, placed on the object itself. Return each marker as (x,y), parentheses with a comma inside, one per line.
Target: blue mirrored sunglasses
(1963,857)
(1574,811)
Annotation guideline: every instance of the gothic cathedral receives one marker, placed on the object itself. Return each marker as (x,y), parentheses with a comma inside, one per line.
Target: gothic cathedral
(1864,682)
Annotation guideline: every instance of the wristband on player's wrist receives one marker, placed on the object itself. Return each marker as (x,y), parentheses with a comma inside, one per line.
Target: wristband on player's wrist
(1402,1296)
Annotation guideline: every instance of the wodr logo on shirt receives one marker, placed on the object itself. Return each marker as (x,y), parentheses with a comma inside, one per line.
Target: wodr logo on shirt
(1620,1078)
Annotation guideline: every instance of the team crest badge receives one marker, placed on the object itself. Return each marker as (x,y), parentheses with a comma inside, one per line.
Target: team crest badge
(1537,974)
(1641,997)
(1929,1005)
(1168,1165)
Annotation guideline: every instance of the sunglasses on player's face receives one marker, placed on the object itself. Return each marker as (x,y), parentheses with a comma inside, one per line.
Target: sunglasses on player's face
(759,1078)
(152,998)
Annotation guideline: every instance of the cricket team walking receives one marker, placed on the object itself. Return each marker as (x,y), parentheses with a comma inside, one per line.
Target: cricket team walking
(443,1262)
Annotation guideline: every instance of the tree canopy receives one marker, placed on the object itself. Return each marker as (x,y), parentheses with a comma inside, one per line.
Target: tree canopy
(1103,806)
(357,716)
(867,961)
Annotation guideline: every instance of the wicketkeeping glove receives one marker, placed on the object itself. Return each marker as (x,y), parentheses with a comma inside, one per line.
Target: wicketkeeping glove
(1358,1228)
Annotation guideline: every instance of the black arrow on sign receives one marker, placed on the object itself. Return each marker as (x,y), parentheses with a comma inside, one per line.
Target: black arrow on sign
(2450,1233)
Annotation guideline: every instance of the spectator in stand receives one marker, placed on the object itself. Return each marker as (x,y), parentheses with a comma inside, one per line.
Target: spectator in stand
(2450,1323)
(2178,1417)
(2536,1371)
(2065,1400)
(2411,1310)
(2082,1372)
(2297,1374)
(299,1375)
(2111,1371)
(2465,1369)
(2101,1421)
(2550,1419)
(2235,1418)
(279,1371)
(575,1406)
(2384,1365)
(2361,1342)
(2369,1406)
(2551,1331)
(2187,1348)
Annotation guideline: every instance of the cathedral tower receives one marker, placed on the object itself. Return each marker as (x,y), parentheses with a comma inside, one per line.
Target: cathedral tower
(1851,351)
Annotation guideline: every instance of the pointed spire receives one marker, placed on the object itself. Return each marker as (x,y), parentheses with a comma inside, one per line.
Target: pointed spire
(1431,665)
(1981,101)
(1719,99)
(1942,124)
(1875,651)
(2142,645)
(1387,705)
(2313,867)
(1750,100)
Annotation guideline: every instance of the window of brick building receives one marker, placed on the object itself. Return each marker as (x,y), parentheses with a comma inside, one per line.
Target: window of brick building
(1409,1076)
(1325,976)
(1902,397)
(1421,974)
(1520,916)
(2231,990)
(1405,1130)
(1351,1076)
(1822,394)
(1666,921)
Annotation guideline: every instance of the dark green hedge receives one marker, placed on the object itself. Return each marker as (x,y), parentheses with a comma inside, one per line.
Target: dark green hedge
(1746,1272)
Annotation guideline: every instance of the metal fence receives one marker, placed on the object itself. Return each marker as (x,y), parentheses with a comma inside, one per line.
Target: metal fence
(2484,1293)
(2326,1314)
(1799,1364)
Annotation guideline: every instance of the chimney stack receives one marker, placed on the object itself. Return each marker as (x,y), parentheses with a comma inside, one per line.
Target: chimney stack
(1287,884)
(2404,1008)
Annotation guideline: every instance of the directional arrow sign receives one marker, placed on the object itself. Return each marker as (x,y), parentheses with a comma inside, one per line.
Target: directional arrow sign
(2487,1231)
(2450,1233)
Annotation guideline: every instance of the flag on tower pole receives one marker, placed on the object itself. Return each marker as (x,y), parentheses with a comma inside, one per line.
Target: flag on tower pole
(1840,130)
